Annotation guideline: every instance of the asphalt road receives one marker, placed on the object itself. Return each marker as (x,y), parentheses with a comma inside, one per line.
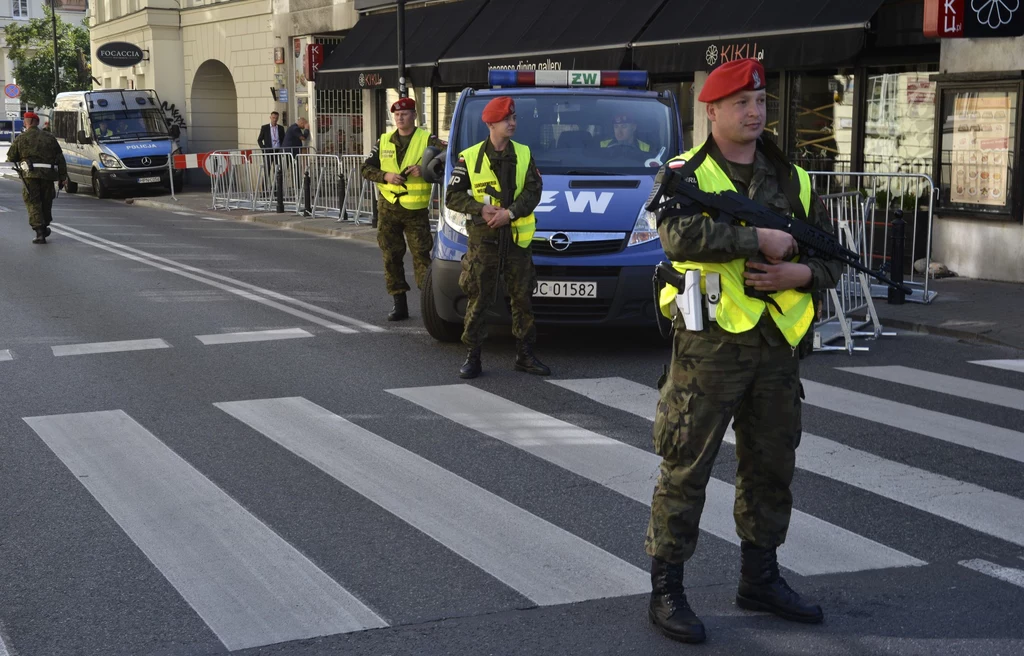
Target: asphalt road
(213,441)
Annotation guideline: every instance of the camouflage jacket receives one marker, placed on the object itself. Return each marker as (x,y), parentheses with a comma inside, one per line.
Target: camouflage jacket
(459,196)
(39,147)
(699,238)
(371,168)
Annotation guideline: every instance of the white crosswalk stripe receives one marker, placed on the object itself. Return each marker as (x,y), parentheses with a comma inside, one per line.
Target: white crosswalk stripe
(1009,365)
(934,382)
(253,336)
(1008,574)
(814,546)
(109,347)
(948,428)
(250,586)
(964,503)
(543,562)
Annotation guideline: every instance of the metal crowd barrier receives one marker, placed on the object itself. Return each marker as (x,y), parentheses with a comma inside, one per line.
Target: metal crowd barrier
(914,193)
(230,179)
(263,170)
(360,195)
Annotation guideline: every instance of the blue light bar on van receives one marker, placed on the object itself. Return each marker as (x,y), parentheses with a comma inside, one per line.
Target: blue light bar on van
(498,78)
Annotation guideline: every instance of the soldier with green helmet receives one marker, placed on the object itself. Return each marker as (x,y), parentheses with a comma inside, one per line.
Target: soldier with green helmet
(40,162)
(742,365)
(496,182)
(402,211)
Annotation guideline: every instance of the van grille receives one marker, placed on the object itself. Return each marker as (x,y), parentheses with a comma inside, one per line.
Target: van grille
(136,162)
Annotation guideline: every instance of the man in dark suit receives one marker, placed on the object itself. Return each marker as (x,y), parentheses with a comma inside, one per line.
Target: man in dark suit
(271,136)
(295,135)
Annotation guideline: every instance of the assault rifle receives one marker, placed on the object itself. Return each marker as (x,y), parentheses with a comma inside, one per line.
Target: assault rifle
(504,237)
(674,196)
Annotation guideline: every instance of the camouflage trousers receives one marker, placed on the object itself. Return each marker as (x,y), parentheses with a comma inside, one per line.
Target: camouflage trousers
(39,195)
(479,280)
(393,229)
(709,383)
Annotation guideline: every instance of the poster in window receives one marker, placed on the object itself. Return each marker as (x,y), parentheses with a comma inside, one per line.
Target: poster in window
(981,143)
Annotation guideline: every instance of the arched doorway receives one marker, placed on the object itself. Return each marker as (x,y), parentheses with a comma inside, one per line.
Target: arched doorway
(214,109)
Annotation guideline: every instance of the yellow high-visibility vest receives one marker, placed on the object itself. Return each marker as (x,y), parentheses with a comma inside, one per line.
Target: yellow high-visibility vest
(642,145)
(737,312)
(523,227)
(415,195)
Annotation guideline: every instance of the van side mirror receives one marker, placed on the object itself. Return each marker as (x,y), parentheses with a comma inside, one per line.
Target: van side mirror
(174,131)
(83,137)
(433,165)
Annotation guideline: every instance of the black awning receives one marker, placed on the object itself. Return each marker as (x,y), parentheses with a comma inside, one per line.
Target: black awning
(368,56)
(545,35)
(700,35)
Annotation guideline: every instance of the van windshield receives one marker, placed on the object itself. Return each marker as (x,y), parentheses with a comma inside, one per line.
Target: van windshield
(584,134)
(128,124)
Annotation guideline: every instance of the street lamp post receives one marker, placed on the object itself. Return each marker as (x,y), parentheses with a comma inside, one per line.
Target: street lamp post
(403,91)
(56,68)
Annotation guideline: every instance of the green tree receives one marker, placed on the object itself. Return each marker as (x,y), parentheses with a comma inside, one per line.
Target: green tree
(31,51)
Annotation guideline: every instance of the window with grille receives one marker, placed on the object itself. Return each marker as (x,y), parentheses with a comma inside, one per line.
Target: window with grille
(339,116)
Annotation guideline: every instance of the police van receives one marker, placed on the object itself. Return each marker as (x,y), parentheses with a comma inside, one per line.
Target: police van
(114,140)
(10,128)
(598,139)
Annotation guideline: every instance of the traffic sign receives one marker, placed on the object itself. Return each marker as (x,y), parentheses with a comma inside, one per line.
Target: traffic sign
(12,91)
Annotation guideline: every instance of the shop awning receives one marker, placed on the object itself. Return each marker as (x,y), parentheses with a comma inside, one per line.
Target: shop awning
(368,56)
(700,35)
(543,35)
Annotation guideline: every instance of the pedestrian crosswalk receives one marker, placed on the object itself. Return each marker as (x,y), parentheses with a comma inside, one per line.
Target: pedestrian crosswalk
(251,586)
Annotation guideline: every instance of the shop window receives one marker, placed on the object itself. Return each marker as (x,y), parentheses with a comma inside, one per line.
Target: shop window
(819,135)
(977,164)
(899,125)
(339,116)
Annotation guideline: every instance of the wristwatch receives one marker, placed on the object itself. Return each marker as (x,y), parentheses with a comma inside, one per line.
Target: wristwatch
(511,216)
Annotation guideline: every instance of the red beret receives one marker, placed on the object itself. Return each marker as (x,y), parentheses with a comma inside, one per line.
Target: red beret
(498,109)
(403,103)
(727,79)
(31,115)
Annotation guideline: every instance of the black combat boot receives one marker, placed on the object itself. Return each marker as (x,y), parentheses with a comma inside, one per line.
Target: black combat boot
(472,367)
(40,236)
(46,231)
(762,588)
(528,362)
(401,309)
(669,610)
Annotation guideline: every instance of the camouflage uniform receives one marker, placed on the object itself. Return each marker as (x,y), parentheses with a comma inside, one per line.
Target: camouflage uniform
(38,147)
(396,224)
(716,376)
(480,265)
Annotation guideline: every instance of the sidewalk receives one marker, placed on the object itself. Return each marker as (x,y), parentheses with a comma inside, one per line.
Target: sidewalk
(198,201)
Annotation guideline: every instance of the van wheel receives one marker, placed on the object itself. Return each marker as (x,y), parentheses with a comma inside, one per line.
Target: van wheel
(71,187)
(98,188)
(438,328)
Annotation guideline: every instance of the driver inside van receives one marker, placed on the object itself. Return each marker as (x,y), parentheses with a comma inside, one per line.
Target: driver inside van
(625,134)
(103,131)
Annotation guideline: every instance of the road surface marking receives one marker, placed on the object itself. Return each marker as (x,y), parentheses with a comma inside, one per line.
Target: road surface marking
(1007,574)
(814,546)
(183,213)
(247,583)
(933,382)
(109,347)
(964,503)
(543,562)
(253,336)
(6,355)
(1009,365)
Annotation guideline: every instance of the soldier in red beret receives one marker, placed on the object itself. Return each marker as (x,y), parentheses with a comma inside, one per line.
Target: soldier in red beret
(402,213)
(743,365)
(40,161)
(496,182)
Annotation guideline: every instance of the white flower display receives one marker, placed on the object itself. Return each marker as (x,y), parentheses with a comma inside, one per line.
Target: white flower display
(995,13)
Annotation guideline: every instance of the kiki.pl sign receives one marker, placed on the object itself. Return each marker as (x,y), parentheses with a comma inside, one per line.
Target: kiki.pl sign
(973,19)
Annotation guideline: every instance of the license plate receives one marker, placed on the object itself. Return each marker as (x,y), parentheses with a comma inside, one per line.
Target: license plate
(558,289)
(146,180)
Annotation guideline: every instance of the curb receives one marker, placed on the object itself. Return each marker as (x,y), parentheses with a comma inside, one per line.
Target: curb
(964,335)
(357,232)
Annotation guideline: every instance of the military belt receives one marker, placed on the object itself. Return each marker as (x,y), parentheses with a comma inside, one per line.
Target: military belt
(37,165)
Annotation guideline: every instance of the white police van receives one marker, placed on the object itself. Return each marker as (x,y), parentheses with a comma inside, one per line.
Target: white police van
(114,140)
(598,139)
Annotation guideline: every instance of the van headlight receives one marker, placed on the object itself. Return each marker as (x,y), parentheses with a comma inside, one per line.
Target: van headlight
(109,161)
(645,229)
(455,220)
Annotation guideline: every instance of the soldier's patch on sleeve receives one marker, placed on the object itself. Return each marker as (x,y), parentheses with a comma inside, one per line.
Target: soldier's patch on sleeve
(677,164)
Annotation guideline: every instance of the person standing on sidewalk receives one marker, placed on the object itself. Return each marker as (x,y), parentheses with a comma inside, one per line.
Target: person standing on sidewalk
(744,364)
(402,211)
(497,183)
(40,162)
(271,137)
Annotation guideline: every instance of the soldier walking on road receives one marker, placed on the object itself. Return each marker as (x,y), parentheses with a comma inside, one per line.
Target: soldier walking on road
(40,162)
(497,183)
(402,213)
(744,364)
